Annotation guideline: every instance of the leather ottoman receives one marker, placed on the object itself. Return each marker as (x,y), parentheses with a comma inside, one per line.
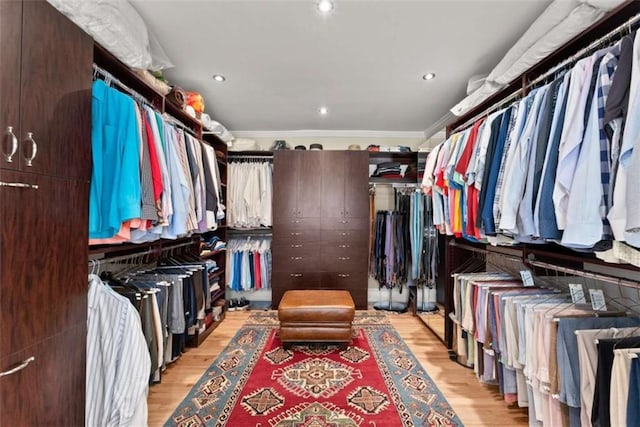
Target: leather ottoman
(316,316)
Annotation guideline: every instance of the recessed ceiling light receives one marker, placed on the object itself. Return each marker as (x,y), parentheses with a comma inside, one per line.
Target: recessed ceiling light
(323,111)
(219,77)
(429,76)
(325,6)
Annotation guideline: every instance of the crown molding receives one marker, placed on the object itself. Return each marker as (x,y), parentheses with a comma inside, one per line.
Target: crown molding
(310,133)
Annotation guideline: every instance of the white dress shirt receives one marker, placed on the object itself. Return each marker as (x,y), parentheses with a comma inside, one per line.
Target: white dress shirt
(118,361)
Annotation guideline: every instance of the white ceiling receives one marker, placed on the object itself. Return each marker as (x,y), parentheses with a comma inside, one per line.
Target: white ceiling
(365,61)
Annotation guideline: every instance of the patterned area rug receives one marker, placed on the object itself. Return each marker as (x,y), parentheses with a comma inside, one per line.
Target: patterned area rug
(375,382)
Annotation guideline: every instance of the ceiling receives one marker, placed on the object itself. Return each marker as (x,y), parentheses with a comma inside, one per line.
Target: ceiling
(283,60)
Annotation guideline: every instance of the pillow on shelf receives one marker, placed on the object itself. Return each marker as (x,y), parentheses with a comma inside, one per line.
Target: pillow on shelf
(115,25)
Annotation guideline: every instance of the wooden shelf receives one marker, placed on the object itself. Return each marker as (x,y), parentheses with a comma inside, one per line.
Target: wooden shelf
(217,274)
(410,156)
(199,337)
(212,254)
(380,180)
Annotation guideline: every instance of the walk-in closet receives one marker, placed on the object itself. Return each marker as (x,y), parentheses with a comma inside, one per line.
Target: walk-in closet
(319,212)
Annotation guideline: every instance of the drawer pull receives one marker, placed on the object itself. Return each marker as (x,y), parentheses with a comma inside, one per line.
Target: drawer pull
(296,275)
(344,258)
(343,275)
(296,246)
(296,221)
(20,367)
(18,185)
(14,145)
(345,234)
(344,221)
(296,234)
(34,149)
(343,246)
(296,258)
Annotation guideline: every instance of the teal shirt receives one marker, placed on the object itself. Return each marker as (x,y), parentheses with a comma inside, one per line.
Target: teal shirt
(115,194)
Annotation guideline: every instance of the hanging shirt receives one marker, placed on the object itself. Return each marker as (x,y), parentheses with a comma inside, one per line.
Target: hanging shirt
(587,204)
(115,192)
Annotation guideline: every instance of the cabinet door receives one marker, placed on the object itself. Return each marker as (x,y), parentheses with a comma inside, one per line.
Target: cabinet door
(56,72)
(50,389)
(309,183)
(10,36)
(333,184)
(286,165)
(356,184)
(43,258)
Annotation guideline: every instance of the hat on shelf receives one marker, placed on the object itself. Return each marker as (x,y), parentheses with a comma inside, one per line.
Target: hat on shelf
(354,147)
(315,147)
(300,147)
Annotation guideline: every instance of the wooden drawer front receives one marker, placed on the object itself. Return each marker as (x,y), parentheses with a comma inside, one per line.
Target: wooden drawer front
(345,246)
(348,261)
(49,385)
(294,224)
(344,223)
(352,237)
(296,235)
(296,259)
(295,280)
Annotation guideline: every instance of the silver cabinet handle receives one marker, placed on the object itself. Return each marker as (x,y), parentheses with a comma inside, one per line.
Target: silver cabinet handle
(343,246)
(344,221)
(18,185)
(34,149)
(343,275)
(343,258)
(295,274)
(296,246)
(8,157)
(20,367)
(296,234)
(296,258)
(345,234)
(297,221)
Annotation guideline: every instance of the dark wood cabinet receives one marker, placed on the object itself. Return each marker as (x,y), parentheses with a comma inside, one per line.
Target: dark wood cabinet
(43,254)
(45,87)
(46,91)
(301,172)
(321,223)
(48,391)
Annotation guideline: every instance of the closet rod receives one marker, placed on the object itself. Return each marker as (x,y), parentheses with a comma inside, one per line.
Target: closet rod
(495,107)
(110,78)
(179,124)
(587,50)
(177,246)
(587,274)
(119,258)
(250,157)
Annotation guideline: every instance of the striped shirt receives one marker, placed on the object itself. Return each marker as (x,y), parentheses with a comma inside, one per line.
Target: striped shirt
(118,361)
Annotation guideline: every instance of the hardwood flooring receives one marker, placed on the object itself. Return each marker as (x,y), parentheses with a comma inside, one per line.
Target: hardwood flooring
(475,404)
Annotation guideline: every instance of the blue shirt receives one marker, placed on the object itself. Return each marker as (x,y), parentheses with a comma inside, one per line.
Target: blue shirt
(116,191)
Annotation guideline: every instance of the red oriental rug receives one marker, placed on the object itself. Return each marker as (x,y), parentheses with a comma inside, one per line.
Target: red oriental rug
(376,381)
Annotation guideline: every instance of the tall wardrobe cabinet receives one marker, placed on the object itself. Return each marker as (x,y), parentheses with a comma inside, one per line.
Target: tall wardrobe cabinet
(321,222)
(45,164)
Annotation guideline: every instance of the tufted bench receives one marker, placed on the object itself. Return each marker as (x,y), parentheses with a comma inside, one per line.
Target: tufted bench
(316,316)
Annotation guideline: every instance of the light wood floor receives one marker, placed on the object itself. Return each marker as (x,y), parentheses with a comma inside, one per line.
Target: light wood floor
(475,404)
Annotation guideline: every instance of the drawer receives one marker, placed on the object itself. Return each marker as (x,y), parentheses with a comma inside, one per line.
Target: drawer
(295,280)
(347,261)
(327,223)
(345,246)
(346,236)
(291,260)
(294,224)
(296,235)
